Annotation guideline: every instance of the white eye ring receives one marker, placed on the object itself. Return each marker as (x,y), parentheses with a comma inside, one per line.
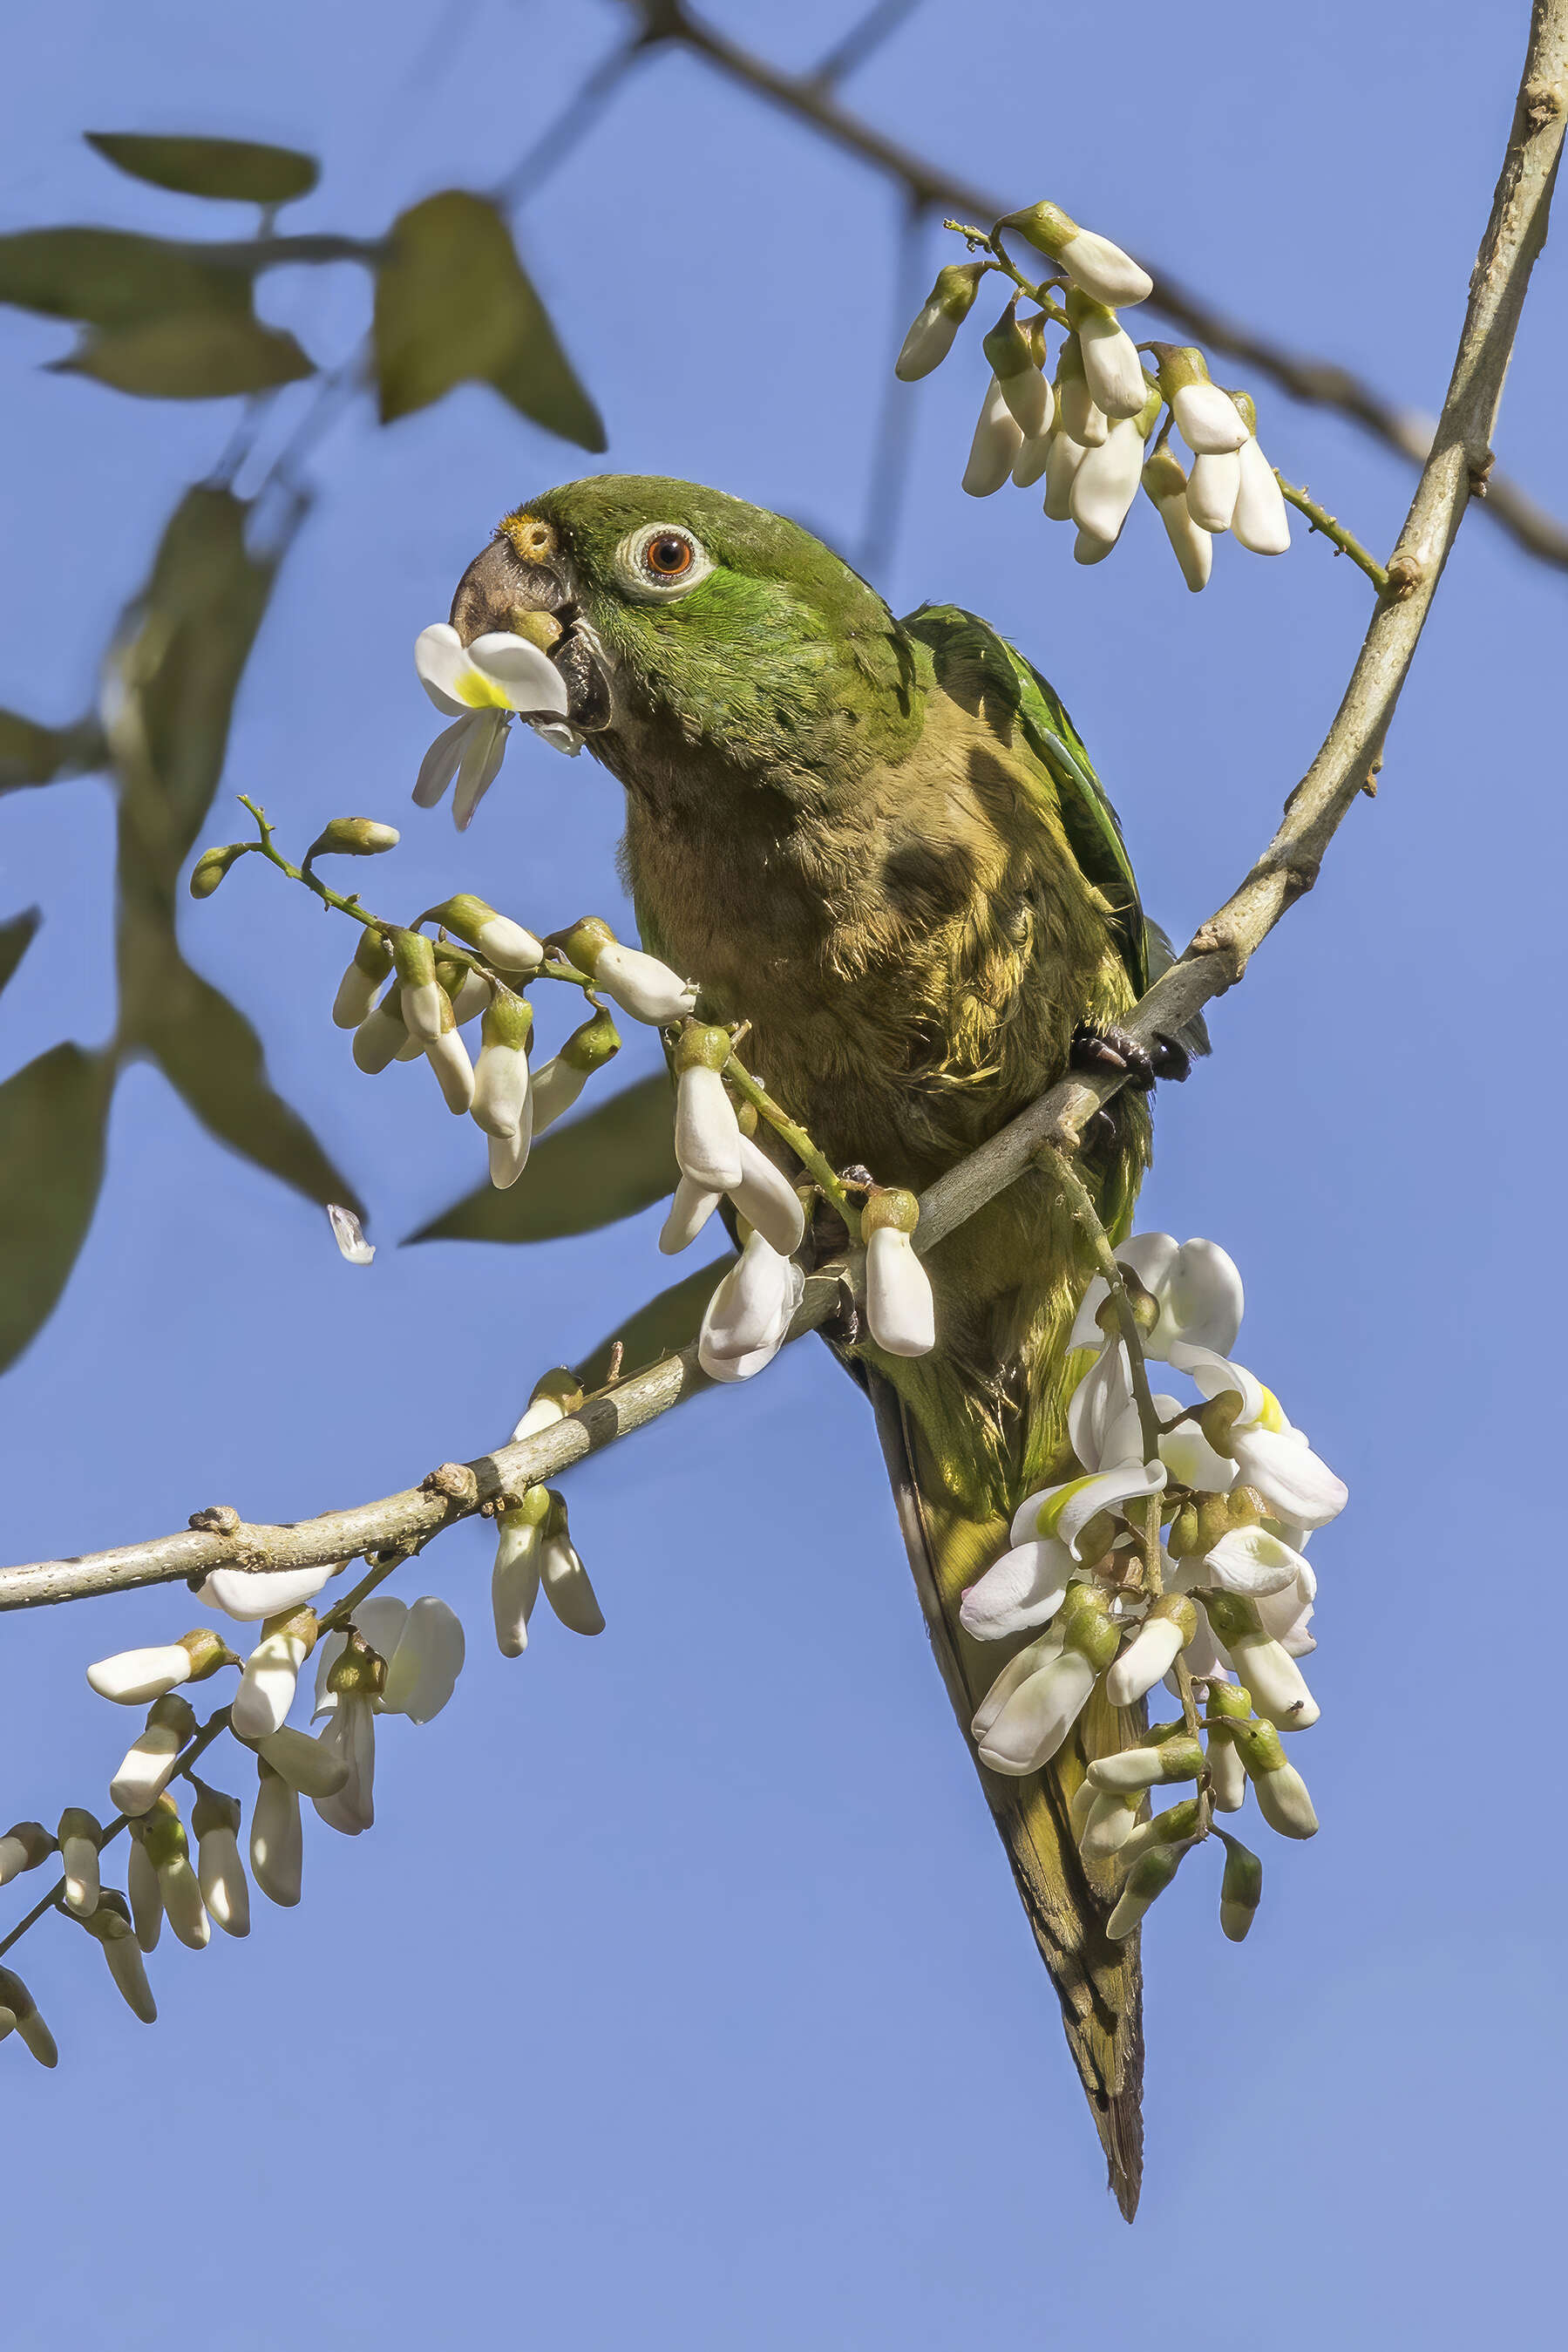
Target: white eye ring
(638,576)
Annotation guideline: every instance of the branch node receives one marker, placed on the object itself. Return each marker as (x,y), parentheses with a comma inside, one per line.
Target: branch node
(1406,574)
(1480,470)
(453,1480)
(218,1520)
(1217,937)
(1543,103)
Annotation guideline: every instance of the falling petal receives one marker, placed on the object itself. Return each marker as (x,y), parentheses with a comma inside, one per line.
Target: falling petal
(348,1235)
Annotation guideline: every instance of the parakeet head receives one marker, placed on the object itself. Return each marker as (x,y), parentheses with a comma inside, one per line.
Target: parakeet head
(686,617)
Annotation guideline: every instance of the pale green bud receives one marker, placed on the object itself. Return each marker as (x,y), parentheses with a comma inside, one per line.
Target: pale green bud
(353,837)
(1240,1889)
(1146,1883)
(213,865)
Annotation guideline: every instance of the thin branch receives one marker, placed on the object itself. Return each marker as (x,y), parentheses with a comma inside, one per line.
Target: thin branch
(1214,962)
(1317,382)
(1332,527)
(861,42)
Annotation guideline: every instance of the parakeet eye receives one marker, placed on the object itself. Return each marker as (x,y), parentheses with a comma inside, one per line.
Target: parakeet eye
(661,561)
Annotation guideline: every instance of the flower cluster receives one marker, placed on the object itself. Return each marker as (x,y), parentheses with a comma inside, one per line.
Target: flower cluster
(434,995)
(1237,1491)
(534,1550)
(1086,427)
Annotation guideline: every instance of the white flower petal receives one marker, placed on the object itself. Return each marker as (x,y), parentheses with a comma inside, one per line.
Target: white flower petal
(443,759)
(1150,1654)
(568,1588)
(526,675)
(1103,270)
(135,1678)
(1262,521)
(998,439)
(1021,1590)
(900,1308)
(1252,1561)
(690,1210)
(350,1234)
(1106,483)
(1208,420)
(1289,1475)
(1062,460)
(481,764)
(1039,1716)
(707,1136)
(1113,370)
(422,1671)
(515,1582)
(268,1685)
(767,1199)
(643,985)
(351,1739)
(440,661)
(276,1844)
(250,1595)
(1099,1403)
(1212,489)
(1012,1677)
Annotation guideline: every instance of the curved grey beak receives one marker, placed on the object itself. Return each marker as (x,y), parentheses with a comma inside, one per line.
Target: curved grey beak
(533,598)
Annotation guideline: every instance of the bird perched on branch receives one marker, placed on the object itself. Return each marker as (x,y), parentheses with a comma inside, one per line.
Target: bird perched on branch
(882,842)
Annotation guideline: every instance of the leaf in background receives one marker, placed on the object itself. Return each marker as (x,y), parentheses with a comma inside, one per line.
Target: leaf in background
(111,277)
(52,1116)
(193,356)
(241,170)
(662,1327)
(454,305)
(15,939)
(212,1057)
(31,755)
(181,653)
(606,1165)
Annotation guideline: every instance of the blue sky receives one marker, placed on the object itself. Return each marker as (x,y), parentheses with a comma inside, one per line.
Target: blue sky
(679,1992)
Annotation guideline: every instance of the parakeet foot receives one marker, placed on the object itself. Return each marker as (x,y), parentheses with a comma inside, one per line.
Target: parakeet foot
(1114,1049)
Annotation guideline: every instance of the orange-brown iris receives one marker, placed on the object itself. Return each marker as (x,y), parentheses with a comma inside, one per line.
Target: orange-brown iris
(668,555)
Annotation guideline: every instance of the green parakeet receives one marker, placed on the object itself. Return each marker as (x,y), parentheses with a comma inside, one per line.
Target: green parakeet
(882,842)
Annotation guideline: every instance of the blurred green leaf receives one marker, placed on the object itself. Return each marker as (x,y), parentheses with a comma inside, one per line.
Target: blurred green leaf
(109,278)
(176,665)
(238,169)
(662,1327)
(15,937)
(212,1058)
(193,356)
(454,305)
(52,1116)
(31,755)
(611,1162)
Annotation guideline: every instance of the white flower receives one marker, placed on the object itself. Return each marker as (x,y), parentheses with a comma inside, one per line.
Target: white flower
(1164,482)
(23,1847)
(110,1925)
(135,1678)
(350,1740)
(149,1763)
(422,1647)
(484,684)
(250,1595)
(1260,521)
(500,1104)
(999,436)
(1062,460)
(566,1582)
(749,1313)
(1269,1454)
(1038,1708)
(706,1149)
(1103,270)
(643,985)
(350,1234)
(146,1901)
(1153,1651)
(79,1835)
(1111,368)
(1102,1423)
(1212,490)
(271,1673)
(515,1579)
(690,1210)
(899,1306)
(1195,1286)
(220,1873)
(930,339)
(162,1834)
(1105,483)
(1207,419)
(1033,456)
(1025,1587)
(707,1136)
(276,1843)
(767,1200)
(1082,417)
(297,1759)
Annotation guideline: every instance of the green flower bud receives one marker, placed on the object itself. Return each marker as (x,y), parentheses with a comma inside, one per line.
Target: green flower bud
(562,1385)
(414,957)
(1230,1700)
(585,943)
(589,1047)
(1144,1884)
(214,1811)
(1088,1627)
(1007,345)
(889,1204)
(35,2033)
(1174,1826)
(207,1652)
(508,1020)
(111,1926)
(1165,475)
(1216,1418)
(1240,1889)
(702,1046)
(1245,1507)
(1045,225)
(358,1668)
(1182,1540)
(213,865)
(1245,407)
(1232,1616)
(353,837)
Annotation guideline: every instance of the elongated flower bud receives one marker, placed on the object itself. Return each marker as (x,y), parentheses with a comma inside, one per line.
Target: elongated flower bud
(448,1057)
(1280,1791)
(554,1394)
(132,1677)
(358,988)
(162,1836)
(422,996)
(497,937)
(1106,482)
(353,837)
(639,984)
(1280,1693)
(997,440)
(24,1846)
(1171,1623)
(150,1761)
(30,2026)
(271,1673)
(515,1580)
(1017,373)
(1041,1710)
(1227,1777)
(220,1873)
(690,1210)
(303,1763)
(1080,415)
(1165,481)
(1111,368)
(1062,460)
(252,1595)
(563,1576)
(277,1842)
(1034,455)
(500,1104)
(1212,490)
(213,864)
(1241,1889)
(930,339)
(80,1835)
(708,1136)
(557,1085)
(1260,521)
(1174,1826)
(900,1307)
(1207,418)
(1146,1883)
(1091,261)
(469,990)
(1177,1758)
(109,1925)
(381,1037)
(146,1899)
(767,1200)
(1110,1821)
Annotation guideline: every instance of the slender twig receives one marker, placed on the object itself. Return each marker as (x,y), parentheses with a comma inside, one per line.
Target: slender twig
(1316,382)
(1215,960)
(1345,540)
(861,41)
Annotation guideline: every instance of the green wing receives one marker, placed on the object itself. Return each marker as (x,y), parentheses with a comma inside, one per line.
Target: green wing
(1013,693)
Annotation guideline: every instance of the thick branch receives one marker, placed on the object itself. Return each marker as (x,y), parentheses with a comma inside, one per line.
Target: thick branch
(1214,962)
(1318,383)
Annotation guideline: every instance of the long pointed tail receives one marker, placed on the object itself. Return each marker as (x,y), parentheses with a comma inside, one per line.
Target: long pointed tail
(1099,1983)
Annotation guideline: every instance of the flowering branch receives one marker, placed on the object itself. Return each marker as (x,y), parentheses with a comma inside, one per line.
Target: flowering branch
(1320,519)
(1316,382)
